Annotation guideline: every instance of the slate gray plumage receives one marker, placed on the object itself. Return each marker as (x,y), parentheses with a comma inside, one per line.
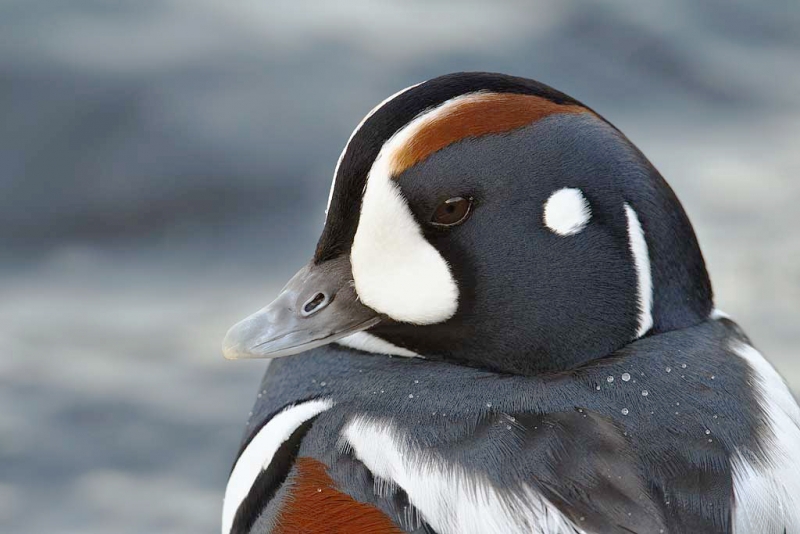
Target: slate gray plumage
(656,463)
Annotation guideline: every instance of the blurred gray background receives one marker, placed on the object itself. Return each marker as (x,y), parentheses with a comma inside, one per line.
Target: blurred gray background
(164,167)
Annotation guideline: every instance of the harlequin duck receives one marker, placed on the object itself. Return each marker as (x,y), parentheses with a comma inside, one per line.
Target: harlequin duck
(507,327)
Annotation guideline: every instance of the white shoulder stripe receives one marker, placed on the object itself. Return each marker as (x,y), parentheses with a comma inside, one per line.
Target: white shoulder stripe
(641,258)
(369,343)
(767,494)
(259,452)
(450,499)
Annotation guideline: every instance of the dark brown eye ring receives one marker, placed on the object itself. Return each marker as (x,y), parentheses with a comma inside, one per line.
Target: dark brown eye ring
(452,212)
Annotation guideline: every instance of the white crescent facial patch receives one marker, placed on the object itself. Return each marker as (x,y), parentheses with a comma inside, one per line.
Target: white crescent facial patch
(395,269)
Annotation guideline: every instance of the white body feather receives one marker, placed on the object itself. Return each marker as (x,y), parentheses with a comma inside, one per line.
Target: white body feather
(259,452)
(767,493)
(450,498)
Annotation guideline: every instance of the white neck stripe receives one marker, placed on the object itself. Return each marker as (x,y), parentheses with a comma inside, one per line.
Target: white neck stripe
(369,343)
(767,494)
(641,258)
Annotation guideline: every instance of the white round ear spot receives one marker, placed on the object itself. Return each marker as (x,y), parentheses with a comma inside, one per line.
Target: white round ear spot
(567,211)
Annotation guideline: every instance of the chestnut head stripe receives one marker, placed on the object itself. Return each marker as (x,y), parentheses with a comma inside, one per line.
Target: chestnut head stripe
(469,116)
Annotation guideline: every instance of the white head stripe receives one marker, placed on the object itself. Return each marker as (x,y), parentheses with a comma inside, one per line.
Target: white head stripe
(566,212)
(641,259)
(358,127)
(259,452)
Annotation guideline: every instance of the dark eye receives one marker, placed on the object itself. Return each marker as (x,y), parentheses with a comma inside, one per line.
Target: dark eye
(452,212)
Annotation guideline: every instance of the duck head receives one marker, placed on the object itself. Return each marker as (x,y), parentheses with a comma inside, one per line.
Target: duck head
(490,221)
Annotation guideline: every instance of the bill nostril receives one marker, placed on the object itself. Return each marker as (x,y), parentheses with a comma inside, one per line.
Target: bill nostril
(314,304)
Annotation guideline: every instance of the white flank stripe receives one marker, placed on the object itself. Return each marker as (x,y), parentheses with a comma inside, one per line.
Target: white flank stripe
(259,452)
(641,258)
(369,343)
(450,498)
(360,124)
(767,495)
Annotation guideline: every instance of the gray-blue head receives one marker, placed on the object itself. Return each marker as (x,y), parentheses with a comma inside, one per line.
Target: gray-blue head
(491,221)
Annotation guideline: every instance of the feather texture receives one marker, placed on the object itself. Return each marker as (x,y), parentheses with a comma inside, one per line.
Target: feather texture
(442,448)
(315,506)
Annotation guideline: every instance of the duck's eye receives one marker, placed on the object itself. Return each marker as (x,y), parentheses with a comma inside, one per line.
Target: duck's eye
(452,212)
